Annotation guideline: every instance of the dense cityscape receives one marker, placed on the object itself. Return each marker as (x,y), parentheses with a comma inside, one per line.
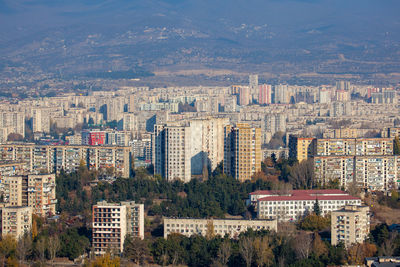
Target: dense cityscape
(202,176)
(199,133)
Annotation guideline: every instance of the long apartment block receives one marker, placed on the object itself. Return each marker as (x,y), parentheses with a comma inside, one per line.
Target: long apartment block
(354,147)
(53,158)
(375,173)
(296,204)
(231,227)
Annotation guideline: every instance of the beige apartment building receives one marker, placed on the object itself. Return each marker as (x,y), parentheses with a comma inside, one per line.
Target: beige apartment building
(36,191)
(112,222)
(134,219)
(16,221)
(231,227)
(242,152)
(53,158)
(301,148)
(350,225)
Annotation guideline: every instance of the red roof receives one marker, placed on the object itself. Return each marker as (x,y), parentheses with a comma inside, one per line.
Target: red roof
(308,197)
(301,192)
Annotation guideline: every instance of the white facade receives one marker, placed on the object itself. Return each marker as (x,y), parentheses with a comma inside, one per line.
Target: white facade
(295,205)
(222,227)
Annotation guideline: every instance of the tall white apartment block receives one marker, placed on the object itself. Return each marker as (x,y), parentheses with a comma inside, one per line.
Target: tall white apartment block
(183,150)
(12,122)
(134,219)
(281,94)
(109,227)
(40,120)
(16,221)
(129,122)
(177,153)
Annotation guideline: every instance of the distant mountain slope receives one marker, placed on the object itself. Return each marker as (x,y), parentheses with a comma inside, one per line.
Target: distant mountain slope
(116,34)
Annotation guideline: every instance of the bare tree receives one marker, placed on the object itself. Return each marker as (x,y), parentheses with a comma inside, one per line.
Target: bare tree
(41,249)
(53,247)
(263,251)
(354,188)
(302,174)
(24,246)
(302,245)
(389,245)
(224,252)
(246,250)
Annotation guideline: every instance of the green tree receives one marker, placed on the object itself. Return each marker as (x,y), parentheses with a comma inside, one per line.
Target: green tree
(135,250)
(317,209)
(73,244)
(314,223)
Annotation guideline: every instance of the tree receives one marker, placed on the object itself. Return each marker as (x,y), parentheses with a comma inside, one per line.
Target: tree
(7,247)
(34,228)
(358,252)
(318,246)
(389,245)
(224,252)
(135,249)
(314,223)
(301,175)
(263,251)
(15,137)
(353,188)
(105,261)
(40,248)
(396,146)
(317,209)
(302,245)
(210,230)
(246,250)
(24,247)
(53,247)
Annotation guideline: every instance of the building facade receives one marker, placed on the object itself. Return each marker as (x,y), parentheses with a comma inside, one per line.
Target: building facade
(350,225)
(53,158)
(242,151)
(36,191)
(222,227)
(297,204)
(16,221)
(112,222)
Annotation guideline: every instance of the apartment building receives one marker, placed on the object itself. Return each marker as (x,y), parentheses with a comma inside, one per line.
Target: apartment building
(222,227)
(36,191)
(16,221)
(134,219)
(296,204)
(53,158)
(109,227)
(10,168)
(12,122)
(112,222)
(375,173)
(301,148)
(350,225)
(187,148)
(242,151)
(93,137)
